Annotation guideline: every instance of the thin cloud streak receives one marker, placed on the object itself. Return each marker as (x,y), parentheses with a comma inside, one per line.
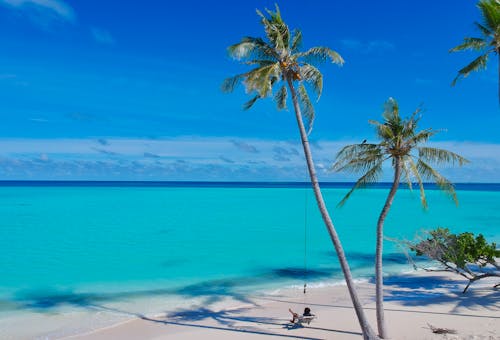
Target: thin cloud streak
(56,8)
(195,158)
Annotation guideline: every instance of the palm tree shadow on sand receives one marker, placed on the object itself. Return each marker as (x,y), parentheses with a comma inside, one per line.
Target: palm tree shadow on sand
(436,290)
(209,292)
(230,320)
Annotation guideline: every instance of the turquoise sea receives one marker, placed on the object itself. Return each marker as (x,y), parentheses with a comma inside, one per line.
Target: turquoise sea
(67,247)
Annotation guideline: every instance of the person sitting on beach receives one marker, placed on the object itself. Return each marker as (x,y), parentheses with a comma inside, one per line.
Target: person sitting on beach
(295,316)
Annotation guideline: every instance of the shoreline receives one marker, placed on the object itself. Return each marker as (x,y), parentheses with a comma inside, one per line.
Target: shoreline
(413,302)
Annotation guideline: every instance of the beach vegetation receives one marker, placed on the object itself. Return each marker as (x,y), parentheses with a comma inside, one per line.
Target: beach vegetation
(279,70)
(401,144)
(465,254)
(487,43)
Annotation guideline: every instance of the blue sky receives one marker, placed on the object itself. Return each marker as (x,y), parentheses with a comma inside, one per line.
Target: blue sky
(131,90)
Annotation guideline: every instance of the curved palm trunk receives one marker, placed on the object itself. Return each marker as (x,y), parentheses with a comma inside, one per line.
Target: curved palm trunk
(379,279)
(365,326)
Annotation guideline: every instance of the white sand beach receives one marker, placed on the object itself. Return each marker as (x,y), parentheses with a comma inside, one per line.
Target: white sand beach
(413,303)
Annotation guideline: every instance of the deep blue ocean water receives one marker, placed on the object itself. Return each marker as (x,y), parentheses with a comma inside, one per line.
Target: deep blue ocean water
(92,240)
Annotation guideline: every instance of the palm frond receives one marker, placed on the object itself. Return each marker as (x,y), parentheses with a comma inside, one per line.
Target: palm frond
(477,64)
(261,79)
(444,184)
(250,103)
(281,27)
(371,176)
(296,41)
(440,156)
(391,110)
(280,97)
(416,174)
(384,131)
(484,30)
(421,136)
(260,62)
(407,172)
(314,77)
(320,54)
(276,30)
(252,48)
(229,84)
(357,158)
(476,44)
(490,11)
(307,107)
(409,125)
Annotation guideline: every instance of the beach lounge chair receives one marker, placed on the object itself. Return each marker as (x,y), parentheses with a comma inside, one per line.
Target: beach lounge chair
(305,319)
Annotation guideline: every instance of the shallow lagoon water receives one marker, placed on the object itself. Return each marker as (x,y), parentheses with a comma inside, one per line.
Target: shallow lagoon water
(68,249)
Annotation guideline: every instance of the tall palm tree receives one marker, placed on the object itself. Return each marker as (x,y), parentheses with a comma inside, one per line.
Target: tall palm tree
(488,43)
(400,143)
(277,60)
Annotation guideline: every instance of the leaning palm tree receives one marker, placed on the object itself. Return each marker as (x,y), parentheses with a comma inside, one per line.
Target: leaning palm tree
(278,61)
(488,43)
(401,143)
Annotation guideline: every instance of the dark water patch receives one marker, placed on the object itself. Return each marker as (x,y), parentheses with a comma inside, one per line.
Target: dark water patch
(217,290)
(300,273)
(49,299)
(364,260)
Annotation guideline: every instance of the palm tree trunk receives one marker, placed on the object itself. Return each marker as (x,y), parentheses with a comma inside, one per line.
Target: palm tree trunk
(379,279)
(365,326)
(498,54)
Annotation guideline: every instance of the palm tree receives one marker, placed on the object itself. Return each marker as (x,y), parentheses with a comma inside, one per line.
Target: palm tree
(488,44)
(401,143)
(279,61)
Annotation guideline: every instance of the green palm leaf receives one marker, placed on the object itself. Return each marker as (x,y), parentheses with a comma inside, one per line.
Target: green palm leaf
(444,184)
(490,11)
(276,30)
(371,176)
(307,107)
(440,156)
(477,64)
(484,30)
(319,55)
(476,44)
(296,40)
(280,97)
(313,76)
(254,48)
(421,136)
(357,158)
(250,103)
(230,83)
(414,170)
(261,79)
(407,172)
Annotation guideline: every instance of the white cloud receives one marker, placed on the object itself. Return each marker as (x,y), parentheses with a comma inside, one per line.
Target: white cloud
(217,158)
(102,36)
(57,8)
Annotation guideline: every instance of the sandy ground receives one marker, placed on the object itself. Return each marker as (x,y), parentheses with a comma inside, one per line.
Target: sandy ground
(413,302)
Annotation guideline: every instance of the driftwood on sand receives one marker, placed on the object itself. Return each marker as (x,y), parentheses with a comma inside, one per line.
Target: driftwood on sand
(437,330)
